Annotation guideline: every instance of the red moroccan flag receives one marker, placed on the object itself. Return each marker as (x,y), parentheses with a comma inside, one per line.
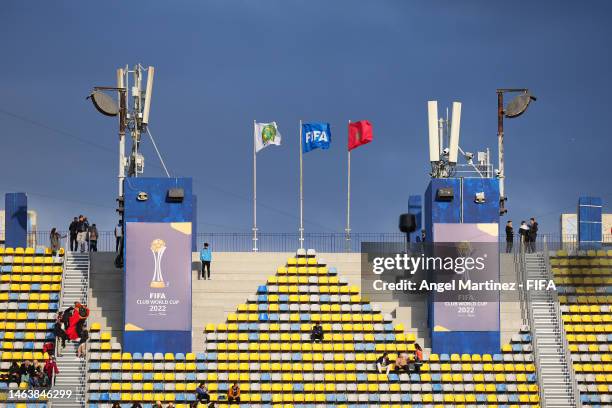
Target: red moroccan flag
(359,133)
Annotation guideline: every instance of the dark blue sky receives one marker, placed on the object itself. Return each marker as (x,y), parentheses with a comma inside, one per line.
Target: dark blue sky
(221,64)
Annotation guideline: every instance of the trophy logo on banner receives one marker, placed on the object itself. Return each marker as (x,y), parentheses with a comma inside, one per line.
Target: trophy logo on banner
(158,247)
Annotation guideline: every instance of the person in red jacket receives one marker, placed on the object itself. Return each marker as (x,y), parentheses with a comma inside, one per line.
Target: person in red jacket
(51,369)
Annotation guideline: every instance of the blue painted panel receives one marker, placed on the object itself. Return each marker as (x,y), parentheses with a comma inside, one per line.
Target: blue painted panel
(441,211)
(194,223)
(157,208)
(157,341)
(484,212)
(15,220)
(486,342)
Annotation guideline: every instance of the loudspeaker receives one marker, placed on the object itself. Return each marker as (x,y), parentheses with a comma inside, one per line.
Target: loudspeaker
(407,223)
(445,194)
(175,195)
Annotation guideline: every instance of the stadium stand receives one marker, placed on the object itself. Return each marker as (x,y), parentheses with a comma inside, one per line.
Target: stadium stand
(583,281)
(30,287)
(265,347)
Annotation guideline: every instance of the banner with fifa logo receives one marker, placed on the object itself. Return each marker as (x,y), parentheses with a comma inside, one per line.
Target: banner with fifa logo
(158,276)
(315,135)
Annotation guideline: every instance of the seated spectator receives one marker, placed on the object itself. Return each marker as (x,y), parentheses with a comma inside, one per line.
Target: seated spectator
(317,333)
(26,370)
(418,357)
(383,364)
(401,362)
(233,394)
(14,373)
(49,348)
(170,405)
(158,404)
(202,394)
(136,405)
(116,405)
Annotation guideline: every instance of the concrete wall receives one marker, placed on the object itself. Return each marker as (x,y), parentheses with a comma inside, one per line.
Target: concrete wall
(106,293)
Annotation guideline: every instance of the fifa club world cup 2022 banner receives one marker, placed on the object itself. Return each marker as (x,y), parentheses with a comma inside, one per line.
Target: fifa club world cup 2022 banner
(158,276)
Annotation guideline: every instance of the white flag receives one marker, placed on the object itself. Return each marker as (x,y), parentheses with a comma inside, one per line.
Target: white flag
(266,134)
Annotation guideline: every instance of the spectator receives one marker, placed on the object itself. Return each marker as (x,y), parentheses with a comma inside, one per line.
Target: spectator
(233,394)
(202,394)
(533,234)
(509,237)
(524,234)
(418,357)
(26,370)
(75,325)
(116,405)
(170,405)
(73,234)
(51,369)
(423,235)
(158,404)
(206,258)
(136,405)
(60,333)
(93,238)
(67,315)
(49,348)
(55,241)
(118,234)
(14,373)
(383,364)
(317,333)
(401,362)
(82,348)
(82,228)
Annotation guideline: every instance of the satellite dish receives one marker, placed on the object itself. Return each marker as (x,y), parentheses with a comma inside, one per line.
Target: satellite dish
(518,105)
(104,103)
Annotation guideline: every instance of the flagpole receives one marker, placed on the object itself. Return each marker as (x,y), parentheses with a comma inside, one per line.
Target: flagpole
(301,194)
(348,204)
(254,189)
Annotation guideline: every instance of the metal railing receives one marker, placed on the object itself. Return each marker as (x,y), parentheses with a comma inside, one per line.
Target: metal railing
(559,317)
(288,241)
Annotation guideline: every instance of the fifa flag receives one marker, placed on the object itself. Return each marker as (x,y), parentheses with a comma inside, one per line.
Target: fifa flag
(315,135)
(266,134)
(359,133)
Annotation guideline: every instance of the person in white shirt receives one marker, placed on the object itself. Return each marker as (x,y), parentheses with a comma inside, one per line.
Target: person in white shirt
(118,234)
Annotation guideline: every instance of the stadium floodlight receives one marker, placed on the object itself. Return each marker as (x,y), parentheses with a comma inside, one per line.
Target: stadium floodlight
(515,108)
(104,103)
(148,94)
(434,142)
(454,133)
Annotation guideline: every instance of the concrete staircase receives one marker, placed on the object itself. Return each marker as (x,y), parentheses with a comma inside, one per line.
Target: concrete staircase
(72,371)
(555,371)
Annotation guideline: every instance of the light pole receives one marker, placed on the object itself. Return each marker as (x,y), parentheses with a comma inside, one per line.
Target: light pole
(515,108)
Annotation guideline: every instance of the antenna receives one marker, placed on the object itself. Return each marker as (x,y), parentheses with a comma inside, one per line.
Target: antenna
(454,133)
(434,143)
(148,94)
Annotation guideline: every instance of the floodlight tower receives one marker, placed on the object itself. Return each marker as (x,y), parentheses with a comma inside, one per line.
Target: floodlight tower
(515,108)
(133,117)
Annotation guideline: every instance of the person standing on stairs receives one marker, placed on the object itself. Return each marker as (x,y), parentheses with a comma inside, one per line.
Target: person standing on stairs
(73,234)
(118,235)
(206,259)
(509,236)
(82,227)
(51,369)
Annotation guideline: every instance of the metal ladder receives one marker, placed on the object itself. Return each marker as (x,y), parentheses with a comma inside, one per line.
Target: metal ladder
(72,371)
(558,387)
